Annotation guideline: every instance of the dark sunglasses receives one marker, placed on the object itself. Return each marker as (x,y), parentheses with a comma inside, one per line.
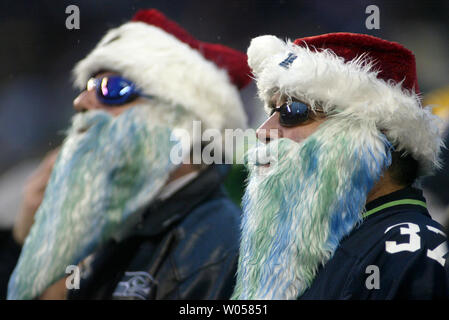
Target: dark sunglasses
(293,113)
(115,90)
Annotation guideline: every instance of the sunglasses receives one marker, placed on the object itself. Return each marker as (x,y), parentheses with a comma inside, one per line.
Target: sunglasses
(293,113)
(115,90)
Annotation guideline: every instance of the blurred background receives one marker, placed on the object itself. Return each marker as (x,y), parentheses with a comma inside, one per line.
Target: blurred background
(38,53)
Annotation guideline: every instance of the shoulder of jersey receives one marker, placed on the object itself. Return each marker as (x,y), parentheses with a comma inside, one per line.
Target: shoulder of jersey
(409,234)
(406,231)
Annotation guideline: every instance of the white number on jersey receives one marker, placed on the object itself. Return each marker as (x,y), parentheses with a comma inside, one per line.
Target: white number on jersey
(414,242)
(412,245)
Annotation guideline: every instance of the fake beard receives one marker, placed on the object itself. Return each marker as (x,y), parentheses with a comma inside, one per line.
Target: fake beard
(103,178)
(297,211)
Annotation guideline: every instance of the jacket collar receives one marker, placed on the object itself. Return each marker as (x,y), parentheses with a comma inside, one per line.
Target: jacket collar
(408,197)
(162,214)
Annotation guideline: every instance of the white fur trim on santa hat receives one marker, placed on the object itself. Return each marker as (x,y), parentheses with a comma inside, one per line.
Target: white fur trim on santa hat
(163,66)
(350,89)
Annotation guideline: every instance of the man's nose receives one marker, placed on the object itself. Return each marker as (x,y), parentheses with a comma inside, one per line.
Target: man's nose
(270,129)
(86,100)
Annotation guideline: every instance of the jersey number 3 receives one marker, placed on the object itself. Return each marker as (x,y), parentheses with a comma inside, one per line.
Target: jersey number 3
(414,242)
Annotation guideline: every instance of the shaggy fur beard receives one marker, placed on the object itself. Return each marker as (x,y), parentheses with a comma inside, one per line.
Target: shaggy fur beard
(102,180)
(297,211)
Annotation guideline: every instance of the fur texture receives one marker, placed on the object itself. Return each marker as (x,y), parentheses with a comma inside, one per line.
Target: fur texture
(297,211)
(101,181)
(165,67)
(350,88)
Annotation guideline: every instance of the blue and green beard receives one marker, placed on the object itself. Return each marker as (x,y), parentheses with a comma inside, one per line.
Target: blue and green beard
(102,180)
(297,211)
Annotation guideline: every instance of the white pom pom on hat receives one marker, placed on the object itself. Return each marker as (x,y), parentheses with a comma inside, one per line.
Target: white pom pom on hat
(263,48)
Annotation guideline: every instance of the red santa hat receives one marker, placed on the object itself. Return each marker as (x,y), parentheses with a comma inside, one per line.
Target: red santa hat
(354,74)
(165,61)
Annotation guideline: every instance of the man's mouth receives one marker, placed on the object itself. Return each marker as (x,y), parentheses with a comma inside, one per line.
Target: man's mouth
(263,164)
(264,167)
(84,121)
(263,158)
(83,129)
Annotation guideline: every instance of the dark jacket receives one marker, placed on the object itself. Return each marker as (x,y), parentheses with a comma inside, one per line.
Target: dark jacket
(9,254)
(398,252)
(185,247)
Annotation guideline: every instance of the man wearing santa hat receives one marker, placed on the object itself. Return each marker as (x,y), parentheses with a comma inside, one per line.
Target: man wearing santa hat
(332,211)
(120,219)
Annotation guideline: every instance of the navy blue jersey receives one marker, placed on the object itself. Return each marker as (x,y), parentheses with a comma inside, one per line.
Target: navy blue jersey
(397,252)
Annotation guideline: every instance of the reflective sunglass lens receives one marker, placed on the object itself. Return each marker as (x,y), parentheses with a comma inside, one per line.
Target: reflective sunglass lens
(113,90)
(293,114)
(116,90)
(115,87)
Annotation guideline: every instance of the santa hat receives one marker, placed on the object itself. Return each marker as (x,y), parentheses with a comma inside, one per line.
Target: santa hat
(167,62)
(357,75)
